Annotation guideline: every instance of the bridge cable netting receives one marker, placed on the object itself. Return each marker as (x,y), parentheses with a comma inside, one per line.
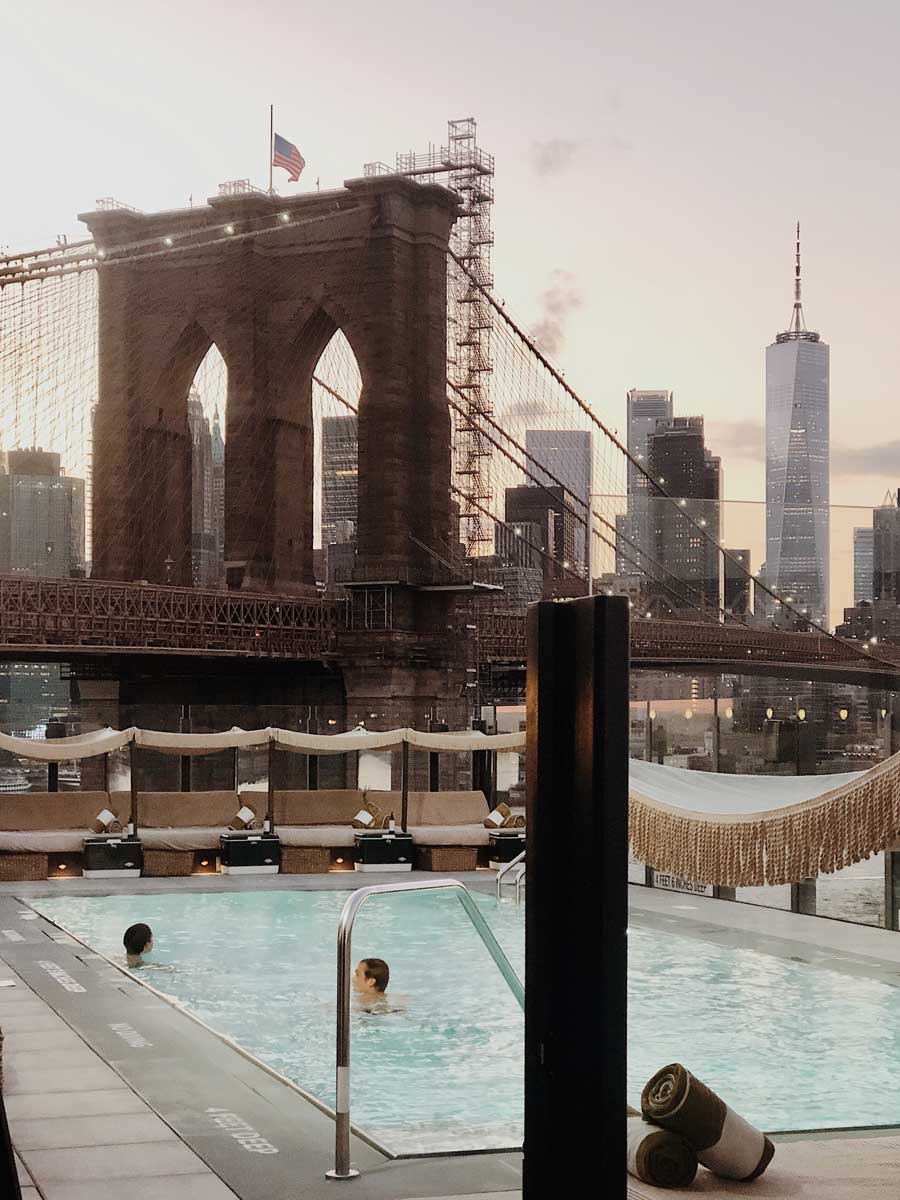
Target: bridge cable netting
(49,325)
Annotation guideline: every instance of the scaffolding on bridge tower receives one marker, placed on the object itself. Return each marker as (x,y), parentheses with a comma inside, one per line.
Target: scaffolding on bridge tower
(468,170)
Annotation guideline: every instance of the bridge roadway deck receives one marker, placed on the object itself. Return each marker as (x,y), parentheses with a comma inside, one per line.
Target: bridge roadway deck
(68,618)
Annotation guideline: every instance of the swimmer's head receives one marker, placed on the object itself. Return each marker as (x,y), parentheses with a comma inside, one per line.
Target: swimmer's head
(371,976)
(138,939)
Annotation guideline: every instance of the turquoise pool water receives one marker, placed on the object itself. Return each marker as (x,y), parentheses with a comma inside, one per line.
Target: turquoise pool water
(789,1045)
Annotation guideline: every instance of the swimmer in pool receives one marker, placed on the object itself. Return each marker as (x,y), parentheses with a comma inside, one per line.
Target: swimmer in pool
(370,982)
(138,941)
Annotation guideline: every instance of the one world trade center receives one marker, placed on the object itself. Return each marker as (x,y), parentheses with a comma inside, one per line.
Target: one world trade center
(798,465)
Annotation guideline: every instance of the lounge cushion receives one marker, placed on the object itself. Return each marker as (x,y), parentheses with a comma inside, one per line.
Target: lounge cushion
(32,811)
(192,810)
(436,808)
(43,841)
(315,835)
(325,806)
(450,835)
(203,837)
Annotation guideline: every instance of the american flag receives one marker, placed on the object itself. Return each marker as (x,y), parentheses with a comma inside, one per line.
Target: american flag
(285,154)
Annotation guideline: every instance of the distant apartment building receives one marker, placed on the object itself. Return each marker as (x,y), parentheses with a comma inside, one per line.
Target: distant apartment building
(550,513)
(683,527)
(207,497)
(340,479)
(566,455)
(863,564)
(41,517)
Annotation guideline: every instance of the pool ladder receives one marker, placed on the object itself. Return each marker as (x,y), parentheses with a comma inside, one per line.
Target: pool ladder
(515,867)
(342,1168)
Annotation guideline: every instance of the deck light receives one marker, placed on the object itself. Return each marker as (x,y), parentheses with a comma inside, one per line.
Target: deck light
(843,714)
(801,714)
(770,713)
(204,862)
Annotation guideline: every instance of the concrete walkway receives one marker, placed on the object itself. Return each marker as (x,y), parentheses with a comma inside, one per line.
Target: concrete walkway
(80,1132)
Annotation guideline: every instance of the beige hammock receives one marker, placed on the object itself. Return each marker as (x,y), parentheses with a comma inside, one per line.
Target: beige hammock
(749,830)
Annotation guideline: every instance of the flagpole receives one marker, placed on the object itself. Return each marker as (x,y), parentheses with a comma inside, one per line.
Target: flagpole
(271,145)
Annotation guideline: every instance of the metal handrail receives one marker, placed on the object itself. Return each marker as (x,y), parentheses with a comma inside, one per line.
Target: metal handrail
(342,1168)
(520,876)
(508,867)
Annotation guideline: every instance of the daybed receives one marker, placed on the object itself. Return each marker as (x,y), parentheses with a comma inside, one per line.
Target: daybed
(35,827)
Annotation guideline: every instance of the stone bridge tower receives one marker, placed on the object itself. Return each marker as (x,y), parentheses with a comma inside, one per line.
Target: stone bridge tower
(269,280)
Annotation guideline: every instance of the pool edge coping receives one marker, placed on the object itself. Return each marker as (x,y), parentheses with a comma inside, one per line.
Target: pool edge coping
(248,1055)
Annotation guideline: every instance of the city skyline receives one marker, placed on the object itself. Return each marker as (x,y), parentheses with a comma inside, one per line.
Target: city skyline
(613,308)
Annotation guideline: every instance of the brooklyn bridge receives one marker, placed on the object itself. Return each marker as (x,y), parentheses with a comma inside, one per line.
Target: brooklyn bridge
(446,381)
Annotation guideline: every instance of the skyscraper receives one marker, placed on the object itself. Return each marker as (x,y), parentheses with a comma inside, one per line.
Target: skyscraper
(41,517)
(567,455)
(218,469)
(205,569)
(886,550)
(645,407)
(340,476)
(546,515)
(688,560)
(798,464)
(863,564)
(737,582)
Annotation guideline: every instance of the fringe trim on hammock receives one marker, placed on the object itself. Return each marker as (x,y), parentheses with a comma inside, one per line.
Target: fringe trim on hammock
(785,845)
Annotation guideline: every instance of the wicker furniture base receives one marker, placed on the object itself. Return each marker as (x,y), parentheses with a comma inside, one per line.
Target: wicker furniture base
(446,858)
(168,862)
(305,860)
(15,867)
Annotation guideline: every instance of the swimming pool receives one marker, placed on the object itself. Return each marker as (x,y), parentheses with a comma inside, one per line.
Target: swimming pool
(790,1045)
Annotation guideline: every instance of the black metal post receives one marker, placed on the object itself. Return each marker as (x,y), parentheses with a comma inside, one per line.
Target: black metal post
(106,772)
(892,853)
(312,760)
(133,815)
(716,736)
(234,770)
(434,758)
(404,785)
(55,729)
(270,790)
(492,768)
(577,800)
(481,775)
(185,758)
(648,735)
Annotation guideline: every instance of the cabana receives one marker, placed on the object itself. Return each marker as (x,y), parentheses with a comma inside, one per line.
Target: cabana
(182,831)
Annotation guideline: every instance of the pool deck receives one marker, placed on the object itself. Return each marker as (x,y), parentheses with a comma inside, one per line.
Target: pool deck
(111,1091)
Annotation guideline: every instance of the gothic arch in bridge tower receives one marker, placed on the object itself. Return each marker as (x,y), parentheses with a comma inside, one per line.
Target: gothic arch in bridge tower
(270,280)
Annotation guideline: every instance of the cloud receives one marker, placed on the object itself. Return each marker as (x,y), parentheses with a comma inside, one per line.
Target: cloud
(561,298)
(737,439)
(554,156)
(880,459)
(747,440)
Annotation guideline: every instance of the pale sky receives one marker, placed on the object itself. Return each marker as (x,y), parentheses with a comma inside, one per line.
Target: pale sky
(658,153)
